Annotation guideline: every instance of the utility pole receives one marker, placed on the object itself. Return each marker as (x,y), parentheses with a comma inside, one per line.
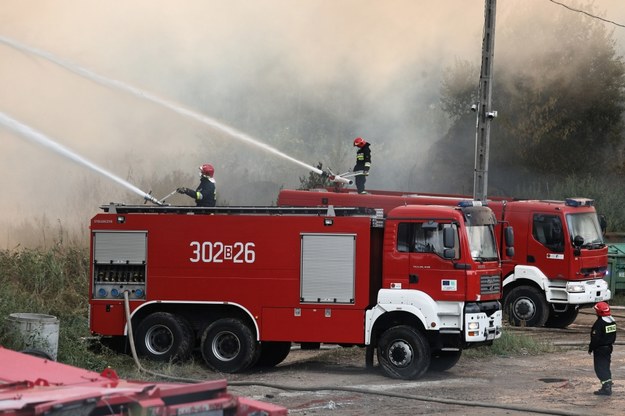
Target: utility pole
(483,107)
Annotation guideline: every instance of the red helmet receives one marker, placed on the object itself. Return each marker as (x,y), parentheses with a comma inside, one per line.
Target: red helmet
(207,170)
(359,142)
(602,309)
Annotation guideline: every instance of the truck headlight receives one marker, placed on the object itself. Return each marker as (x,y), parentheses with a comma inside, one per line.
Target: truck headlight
(474,326)
(575,288)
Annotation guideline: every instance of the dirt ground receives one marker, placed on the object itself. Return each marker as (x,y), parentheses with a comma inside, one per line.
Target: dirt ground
(336,382)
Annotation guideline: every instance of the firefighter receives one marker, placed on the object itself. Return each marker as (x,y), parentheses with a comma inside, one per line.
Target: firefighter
(204,195)
(602,337)
(363,163)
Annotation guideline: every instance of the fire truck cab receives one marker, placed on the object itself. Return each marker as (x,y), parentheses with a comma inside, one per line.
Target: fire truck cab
(243,284)
(559,260)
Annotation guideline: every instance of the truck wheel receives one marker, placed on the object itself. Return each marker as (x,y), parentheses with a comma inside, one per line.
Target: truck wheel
(444,360)
(403,353)
(273,353)
(526,306)
(228,346)
(163,336)
(562,319)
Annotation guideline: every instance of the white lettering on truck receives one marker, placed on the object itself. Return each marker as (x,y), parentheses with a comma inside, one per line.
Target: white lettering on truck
(218,252)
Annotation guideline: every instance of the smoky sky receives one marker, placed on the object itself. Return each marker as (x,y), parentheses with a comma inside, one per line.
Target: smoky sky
(305,77)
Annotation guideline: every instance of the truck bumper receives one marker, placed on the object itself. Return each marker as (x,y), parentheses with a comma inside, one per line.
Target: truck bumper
(481,328)
(577,292)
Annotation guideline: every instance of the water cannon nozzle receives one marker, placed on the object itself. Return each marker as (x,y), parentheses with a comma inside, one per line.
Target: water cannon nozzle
(340,179)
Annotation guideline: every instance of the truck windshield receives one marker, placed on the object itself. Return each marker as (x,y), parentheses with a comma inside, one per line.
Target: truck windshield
(585,225)
(482,242)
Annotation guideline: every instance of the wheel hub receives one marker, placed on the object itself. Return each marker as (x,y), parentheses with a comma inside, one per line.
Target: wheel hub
(226,346)
(400,353)
(159,340)
(524,309)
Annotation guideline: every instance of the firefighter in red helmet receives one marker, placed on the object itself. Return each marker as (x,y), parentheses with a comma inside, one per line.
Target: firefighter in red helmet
(602,337)
(363,163)
(204,195)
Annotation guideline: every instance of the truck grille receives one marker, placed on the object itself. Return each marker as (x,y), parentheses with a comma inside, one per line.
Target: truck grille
(490,285)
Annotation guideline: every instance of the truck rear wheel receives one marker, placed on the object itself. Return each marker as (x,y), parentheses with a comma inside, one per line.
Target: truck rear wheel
(228,346)
(562,319)
(163,336)
(444,360)
(526,306)
(403,353)
(272,353)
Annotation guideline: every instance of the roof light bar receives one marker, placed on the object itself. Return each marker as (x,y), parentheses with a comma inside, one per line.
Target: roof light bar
(579,202)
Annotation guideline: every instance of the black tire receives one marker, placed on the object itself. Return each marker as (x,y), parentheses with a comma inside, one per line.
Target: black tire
(562,319)
(444,360)
(272,353)
(526,306)
(163,336)
(403,353)
(228,346)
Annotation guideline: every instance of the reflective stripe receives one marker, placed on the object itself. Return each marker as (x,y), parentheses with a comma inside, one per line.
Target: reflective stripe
(368,164)
(360,156)
(198,195)
(610,328)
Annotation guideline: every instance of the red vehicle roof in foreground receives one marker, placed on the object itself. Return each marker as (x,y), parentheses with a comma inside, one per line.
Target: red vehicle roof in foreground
(31,385)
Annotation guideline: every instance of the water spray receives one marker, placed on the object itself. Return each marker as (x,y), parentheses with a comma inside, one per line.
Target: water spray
(38,137)
(155,99)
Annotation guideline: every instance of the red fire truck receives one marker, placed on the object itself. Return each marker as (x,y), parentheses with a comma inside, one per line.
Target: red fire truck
(560,258)
(242,284)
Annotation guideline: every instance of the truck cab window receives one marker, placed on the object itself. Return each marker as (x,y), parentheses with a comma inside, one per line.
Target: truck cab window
(414,238)
(547,230)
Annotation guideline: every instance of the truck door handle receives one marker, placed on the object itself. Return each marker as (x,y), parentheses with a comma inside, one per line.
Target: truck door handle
(531,259)
(413,278)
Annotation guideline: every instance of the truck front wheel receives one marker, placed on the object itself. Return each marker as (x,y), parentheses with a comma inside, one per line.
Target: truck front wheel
(444,360)
(403,353)
(228,346)
(163,336)
(526,306)
(562,319)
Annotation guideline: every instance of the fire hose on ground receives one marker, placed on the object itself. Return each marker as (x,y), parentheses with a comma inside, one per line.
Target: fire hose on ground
(465,403)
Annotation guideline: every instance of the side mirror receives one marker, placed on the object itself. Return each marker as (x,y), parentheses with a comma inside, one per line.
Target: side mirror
(449,238)
(578,241)
(510,251)
(509,236)
(449,253)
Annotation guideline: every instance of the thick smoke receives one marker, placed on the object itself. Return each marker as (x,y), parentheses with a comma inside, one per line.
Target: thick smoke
(305,78)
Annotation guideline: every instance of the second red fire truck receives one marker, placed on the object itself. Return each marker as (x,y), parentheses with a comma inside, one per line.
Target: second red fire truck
(560,258)
(417,285)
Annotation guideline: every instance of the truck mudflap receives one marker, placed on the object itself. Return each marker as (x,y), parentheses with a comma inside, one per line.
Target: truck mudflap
(483,322)
(32,386)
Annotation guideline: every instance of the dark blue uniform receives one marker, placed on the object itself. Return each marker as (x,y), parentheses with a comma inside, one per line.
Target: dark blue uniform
(204,195)
(363,163)
(602,337)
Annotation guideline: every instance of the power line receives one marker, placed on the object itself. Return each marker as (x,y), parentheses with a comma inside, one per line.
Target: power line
(587,14)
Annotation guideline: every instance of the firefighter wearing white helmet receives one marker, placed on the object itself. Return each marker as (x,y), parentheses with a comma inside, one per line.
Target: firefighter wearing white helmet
(363,163)
(204,195)
(602,337)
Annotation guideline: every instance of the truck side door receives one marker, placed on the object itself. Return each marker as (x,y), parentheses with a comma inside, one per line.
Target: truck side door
(546,248)
(431,260)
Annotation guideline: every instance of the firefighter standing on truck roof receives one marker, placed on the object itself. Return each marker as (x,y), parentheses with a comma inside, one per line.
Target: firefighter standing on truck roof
(602,337)
(204,195)
(363,163)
